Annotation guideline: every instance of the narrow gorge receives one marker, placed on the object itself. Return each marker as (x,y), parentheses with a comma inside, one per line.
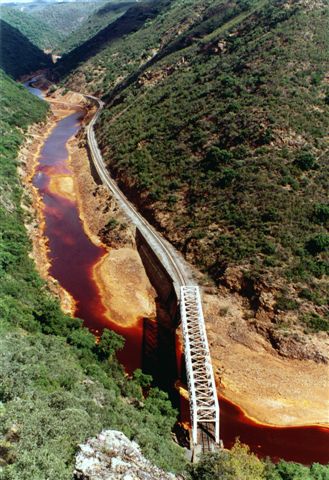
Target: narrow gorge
(88,250)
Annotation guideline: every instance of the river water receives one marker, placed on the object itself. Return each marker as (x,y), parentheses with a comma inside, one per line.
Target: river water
(73,255)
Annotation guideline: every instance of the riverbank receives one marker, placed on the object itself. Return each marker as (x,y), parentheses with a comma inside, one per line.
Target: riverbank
(245,365)
(32,203)
(119,275)
(289,392)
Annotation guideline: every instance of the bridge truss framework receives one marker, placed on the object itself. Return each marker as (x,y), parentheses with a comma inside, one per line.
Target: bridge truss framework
(204,405)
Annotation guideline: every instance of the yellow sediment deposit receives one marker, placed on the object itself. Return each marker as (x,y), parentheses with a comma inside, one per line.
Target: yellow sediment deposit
(124,286)
(63,185)
(269,388)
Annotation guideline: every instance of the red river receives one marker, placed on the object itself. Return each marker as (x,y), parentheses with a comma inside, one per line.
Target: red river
(73,256)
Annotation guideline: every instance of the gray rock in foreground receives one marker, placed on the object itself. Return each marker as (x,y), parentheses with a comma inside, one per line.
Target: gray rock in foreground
(111,456)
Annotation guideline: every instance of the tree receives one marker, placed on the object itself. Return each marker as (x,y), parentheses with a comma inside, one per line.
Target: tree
(237,464)
(109,343)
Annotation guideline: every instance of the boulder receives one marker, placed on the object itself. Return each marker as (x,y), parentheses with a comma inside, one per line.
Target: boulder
(112,456)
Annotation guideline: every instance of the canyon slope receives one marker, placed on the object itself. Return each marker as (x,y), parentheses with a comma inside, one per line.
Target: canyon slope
(58,387)
(215,125)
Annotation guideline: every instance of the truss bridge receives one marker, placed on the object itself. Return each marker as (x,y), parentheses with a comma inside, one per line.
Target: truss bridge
(200,378)
(204,407)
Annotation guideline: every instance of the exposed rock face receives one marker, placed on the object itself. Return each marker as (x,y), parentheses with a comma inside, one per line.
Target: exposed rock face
(111,456)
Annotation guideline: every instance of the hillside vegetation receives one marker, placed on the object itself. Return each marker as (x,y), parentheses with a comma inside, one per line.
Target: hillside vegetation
(64,17)
(57,386)
(18,56)
(98,20)
(216,125)
(134,19)
(39,33)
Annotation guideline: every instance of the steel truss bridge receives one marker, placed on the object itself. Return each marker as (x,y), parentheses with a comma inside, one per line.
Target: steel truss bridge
(204,405)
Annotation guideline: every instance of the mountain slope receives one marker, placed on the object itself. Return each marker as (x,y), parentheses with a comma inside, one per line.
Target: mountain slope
(64,17)
(100,19)
(218,131)
(56,386)
(40,34)
(18,56)
(133,20)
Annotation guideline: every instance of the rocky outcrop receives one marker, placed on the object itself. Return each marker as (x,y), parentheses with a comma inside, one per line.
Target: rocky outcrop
(111,456)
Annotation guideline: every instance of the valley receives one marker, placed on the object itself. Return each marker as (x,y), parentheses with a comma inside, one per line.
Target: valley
(218,138)
(119,275)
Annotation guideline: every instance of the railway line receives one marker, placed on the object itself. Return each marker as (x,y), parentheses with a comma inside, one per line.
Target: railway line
(203,398)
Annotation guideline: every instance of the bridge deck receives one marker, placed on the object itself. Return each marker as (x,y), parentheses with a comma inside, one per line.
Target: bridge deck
(201,383)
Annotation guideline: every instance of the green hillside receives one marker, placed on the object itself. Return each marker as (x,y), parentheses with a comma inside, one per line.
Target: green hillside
(133,20)
(220,129)
(18,56)
(51,370)
(64,17)
(40,34)
(103,17)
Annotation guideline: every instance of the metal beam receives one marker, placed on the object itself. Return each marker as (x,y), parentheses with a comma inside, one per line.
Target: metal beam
(204,405)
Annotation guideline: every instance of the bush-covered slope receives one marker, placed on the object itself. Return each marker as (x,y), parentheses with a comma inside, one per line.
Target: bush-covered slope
(64,17)
(221,131)
(18,56)
(40,34)
(134,19)
(100,19)
(57,387)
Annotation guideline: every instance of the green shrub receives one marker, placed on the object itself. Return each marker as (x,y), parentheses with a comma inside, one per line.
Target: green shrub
(317,244)
(238,463)
(305,161)
(315,323)
(321,212)
(285,303)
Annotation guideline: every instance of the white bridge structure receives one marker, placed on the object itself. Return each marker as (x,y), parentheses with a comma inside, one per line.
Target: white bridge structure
(204,405)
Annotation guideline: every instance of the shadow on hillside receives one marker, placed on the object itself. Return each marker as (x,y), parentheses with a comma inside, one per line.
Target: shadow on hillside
(19,56)
(114,7)
(131,21)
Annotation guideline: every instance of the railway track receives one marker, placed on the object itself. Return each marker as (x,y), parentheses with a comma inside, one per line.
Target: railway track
(167,254)
(202,388)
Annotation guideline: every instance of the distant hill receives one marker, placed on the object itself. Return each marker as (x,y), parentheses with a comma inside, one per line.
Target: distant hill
(39,33)
(216,126)
(98,20)
(18,55)
(134,19)
(64,17)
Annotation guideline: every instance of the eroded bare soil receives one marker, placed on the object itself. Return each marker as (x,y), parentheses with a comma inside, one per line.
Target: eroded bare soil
(275,378)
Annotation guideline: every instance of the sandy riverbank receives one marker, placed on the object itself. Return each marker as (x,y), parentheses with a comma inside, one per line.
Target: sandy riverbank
(120,276)
(269,388)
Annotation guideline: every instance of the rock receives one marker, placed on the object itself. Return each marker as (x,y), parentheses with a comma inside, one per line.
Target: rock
(233,278)
(296,346)
(112,456)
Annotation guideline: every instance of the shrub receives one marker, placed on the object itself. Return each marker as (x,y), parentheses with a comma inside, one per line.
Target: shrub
(317,244)
(315,323)
(321,212)
(110,342)
(285,303)
(238,463)
(215,157)
(305,161)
